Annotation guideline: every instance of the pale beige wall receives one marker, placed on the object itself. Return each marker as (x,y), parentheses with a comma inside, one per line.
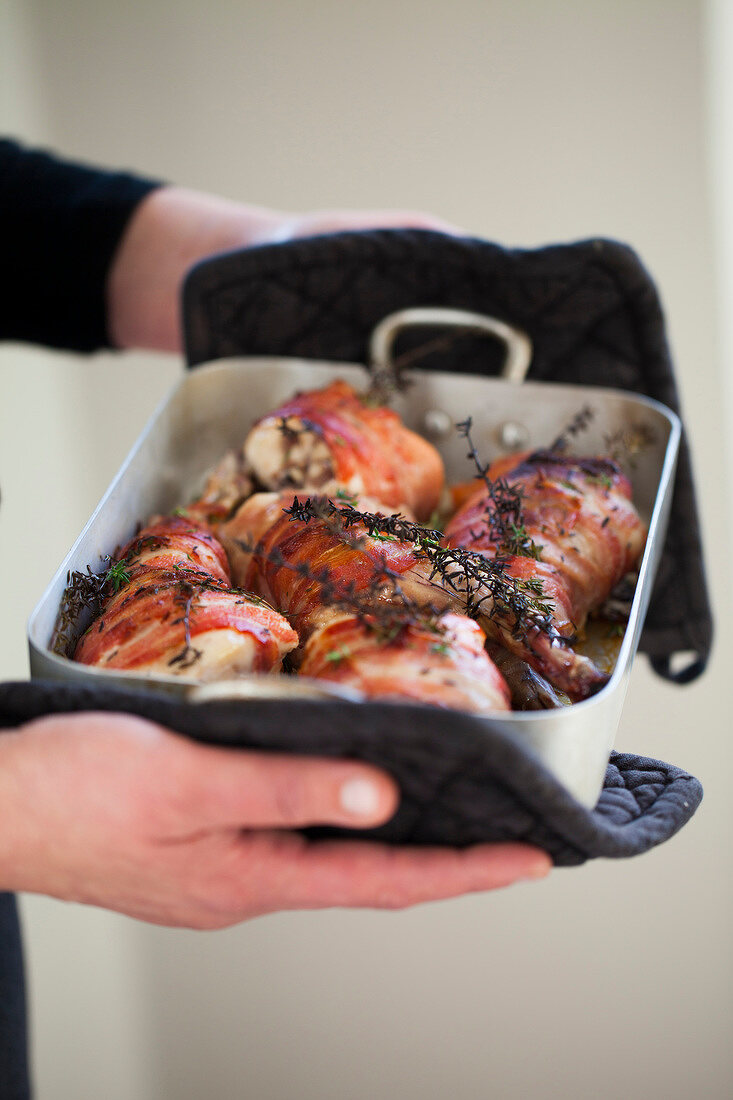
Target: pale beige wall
(527,122)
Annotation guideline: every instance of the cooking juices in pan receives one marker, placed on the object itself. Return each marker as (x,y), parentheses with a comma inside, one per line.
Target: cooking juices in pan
(337,565)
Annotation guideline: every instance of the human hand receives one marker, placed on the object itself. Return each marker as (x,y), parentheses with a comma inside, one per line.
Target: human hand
(173,228)
(112,810)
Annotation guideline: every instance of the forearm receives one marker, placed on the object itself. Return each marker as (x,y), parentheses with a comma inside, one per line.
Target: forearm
(169,232)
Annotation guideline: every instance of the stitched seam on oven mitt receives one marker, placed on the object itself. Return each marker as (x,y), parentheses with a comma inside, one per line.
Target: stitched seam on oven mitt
(590,306)
(455,791)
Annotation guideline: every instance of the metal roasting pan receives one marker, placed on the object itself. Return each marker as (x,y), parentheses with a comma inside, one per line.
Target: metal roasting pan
(211,410)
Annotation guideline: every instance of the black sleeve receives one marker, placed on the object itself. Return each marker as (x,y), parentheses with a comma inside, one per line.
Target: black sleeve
(60,223)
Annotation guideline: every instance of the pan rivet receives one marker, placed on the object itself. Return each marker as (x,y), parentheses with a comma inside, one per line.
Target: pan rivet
(512,436)
(437,423)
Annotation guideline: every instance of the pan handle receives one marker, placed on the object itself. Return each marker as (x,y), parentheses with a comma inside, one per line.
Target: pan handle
(384,366)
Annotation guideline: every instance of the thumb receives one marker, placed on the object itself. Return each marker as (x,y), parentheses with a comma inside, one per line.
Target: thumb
(228,788)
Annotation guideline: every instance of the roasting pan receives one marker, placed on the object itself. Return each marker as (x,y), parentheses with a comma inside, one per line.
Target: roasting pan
(211,410)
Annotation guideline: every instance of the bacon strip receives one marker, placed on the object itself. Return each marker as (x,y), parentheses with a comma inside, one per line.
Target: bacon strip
(447,667)
(177,542)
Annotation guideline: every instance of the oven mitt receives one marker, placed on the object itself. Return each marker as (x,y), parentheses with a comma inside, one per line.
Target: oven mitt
(463,780)
(590,309)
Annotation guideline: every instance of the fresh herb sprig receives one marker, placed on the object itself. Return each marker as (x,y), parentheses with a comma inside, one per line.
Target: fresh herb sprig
(117,576)
(84,592)
(382,606)
(188,655)
(578,424)
(503,506)
(87,593)
(480,584)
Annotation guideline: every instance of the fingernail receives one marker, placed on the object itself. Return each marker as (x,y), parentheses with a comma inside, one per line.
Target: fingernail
(359,798)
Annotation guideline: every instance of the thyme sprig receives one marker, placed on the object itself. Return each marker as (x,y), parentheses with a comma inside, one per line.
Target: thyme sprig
(88,592)
(384,385)
(344,515)
(390,380)
(84,592)
(117,575)
(486,590)
(503,506)
(578,424)
(480,584)
(188,655)
(383,606)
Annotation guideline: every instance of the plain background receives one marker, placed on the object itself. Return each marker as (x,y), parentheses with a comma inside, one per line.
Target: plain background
(526,121)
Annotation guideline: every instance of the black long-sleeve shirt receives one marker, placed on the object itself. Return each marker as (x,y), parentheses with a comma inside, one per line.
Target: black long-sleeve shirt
(60,224)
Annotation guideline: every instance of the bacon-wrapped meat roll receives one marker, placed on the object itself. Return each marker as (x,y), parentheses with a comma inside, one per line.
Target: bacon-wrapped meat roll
(331,438)
(444,667)
(175,612)
(290,554)
(573,534)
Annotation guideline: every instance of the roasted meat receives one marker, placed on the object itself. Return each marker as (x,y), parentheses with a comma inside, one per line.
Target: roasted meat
(175,611)
(290,555)
(333,438)
(445,666)
(565,530)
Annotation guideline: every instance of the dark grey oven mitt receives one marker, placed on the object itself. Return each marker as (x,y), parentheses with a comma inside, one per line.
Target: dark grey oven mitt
(462,780)
(594,318)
